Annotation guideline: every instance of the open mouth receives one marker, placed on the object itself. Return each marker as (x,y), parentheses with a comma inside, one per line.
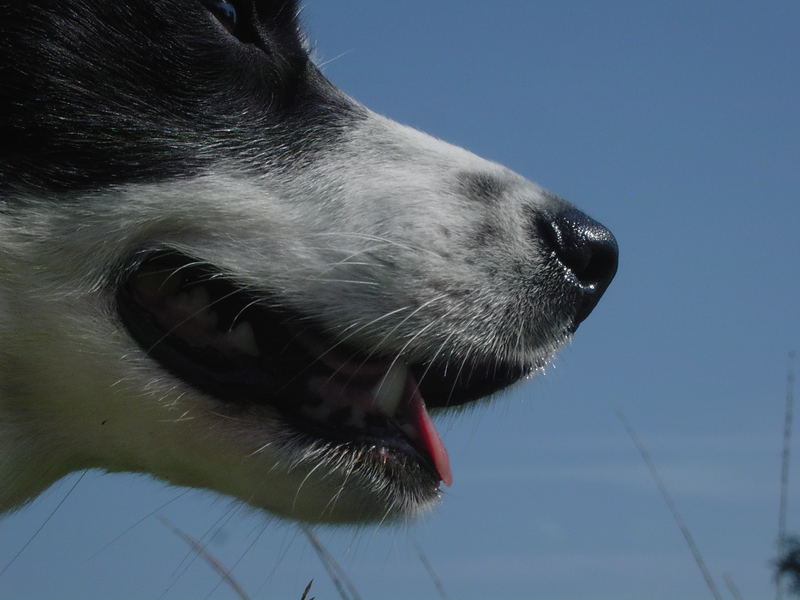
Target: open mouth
(245,347)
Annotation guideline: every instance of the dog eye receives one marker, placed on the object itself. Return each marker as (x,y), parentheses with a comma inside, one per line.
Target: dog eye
(225,12)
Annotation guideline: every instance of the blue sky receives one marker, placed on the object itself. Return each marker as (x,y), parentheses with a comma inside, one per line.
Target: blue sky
(677,125)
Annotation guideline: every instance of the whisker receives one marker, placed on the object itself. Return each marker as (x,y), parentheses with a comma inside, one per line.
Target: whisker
(342,341)
(375,348)
(377,238)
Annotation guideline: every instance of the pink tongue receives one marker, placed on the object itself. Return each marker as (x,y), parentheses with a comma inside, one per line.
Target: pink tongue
(426,433)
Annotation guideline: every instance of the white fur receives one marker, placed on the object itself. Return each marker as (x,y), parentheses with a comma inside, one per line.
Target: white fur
(76,392)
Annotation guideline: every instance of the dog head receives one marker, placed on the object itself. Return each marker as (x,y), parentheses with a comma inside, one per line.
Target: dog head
(219,269)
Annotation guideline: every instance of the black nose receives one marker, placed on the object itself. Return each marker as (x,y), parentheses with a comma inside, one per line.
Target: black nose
(587,249)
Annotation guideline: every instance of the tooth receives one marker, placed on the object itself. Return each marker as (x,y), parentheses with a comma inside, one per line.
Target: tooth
(170,283)
(206,319)
(210,319)
(182,302)
(149,284)
(199,298)
(357,419)
(243,339)
(317,413)
(389,391)
(410,431)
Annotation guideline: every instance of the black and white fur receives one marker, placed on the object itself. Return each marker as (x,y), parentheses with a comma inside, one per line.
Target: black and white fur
(140,128)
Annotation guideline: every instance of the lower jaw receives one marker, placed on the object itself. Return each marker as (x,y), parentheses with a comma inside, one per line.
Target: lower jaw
(302,473)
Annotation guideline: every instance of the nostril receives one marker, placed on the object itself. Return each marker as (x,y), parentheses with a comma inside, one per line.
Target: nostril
(586,248)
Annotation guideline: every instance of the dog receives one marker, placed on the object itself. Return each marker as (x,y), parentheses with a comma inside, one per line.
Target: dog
(219,269)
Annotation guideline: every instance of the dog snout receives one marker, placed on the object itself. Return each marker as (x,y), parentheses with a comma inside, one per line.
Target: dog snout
(586,249)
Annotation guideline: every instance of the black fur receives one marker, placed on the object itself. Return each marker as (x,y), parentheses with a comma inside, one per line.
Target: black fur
(98,92)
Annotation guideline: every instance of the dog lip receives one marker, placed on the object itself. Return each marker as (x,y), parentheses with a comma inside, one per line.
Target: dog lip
(465,388)
(248,350)
(187,318)
(394,395)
